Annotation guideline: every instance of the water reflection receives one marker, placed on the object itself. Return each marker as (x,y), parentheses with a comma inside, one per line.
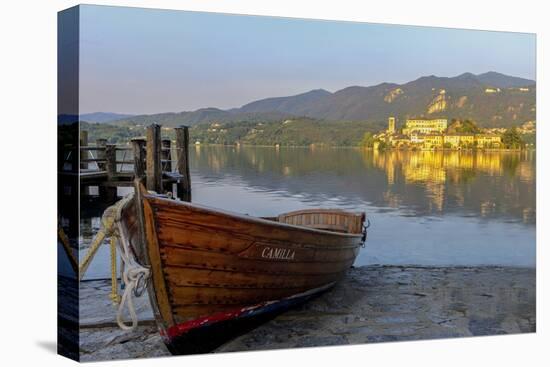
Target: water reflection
(423,183)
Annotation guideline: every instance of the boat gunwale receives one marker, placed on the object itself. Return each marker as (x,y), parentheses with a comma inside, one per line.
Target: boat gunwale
(253,219)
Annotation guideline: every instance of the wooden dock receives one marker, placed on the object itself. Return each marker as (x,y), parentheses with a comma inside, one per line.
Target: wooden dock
(109,166)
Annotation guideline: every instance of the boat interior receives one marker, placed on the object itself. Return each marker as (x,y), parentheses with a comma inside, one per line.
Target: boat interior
(333,220)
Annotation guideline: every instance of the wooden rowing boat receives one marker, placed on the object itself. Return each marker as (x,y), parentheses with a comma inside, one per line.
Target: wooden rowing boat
(216,274)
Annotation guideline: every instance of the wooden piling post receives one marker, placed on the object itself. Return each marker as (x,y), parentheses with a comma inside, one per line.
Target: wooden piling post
(83,138)
(110,163)
(108,192)
(138,149)
(182,164)
(153,162)
(100,153)
(84,154)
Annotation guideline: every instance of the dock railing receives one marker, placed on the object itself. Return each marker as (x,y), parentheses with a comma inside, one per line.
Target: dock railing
(108,166)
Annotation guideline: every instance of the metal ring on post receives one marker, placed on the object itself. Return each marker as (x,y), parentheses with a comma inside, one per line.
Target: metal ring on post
(141,285)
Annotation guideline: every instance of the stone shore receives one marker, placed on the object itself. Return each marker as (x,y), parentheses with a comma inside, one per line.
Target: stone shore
(372,304)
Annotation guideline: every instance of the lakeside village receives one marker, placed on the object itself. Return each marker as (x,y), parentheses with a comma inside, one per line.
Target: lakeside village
(434,134)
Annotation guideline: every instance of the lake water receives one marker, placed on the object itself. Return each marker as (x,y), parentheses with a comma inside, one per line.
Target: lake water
(425,208)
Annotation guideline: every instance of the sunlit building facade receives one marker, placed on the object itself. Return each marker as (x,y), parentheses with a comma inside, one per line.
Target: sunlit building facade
(432,141)
(423,126)
(458,140)
(488,141)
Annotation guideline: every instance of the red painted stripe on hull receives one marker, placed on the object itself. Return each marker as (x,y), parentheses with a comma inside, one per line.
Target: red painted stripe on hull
(183,328)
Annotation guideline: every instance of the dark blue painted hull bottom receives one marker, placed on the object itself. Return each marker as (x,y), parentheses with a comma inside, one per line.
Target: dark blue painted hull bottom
(209,335)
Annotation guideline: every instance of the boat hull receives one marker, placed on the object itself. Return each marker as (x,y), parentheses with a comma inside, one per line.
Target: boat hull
(215,272)
(205,334)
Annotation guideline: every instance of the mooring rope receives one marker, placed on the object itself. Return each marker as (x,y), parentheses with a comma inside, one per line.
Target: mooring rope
(114,281)
(134,275)
(135,278)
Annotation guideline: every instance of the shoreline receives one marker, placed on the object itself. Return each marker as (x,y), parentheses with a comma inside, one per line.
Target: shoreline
(359,147)
(374,303)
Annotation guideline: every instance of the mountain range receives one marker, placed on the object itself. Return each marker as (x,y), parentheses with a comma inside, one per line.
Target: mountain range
(490,99)
(103,116)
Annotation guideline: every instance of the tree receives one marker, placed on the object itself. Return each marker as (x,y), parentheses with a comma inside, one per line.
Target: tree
(468,127)
(511,139)
(368,140)
(382,145)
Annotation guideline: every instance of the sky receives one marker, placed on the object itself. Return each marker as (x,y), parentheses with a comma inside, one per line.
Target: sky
(142,61)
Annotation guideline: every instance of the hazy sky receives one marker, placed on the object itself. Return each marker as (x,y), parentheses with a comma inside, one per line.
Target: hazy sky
(146,61)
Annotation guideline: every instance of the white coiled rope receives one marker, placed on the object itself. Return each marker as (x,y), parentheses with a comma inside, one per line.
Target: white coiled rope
(135,275)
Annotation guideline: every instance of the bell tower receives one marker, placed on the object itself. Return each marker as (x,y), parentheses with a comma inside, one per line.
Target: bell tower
(391,125)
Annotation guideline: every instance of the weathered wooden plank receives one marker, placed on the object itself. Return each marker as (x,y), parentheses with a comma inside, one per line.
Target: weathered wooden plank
(97,160)
(93,174)
(153,164)
(138,149)
(193,237)
(182,163)
(203,295)
(93,147)
(224,279)
(83,153)
(185,258)
(171,177)
(100,153)
(110,164)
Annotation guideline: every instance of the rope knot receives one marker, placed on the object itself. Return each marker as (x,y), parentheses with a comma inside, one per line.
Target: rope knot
(108,221)
(138,277)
